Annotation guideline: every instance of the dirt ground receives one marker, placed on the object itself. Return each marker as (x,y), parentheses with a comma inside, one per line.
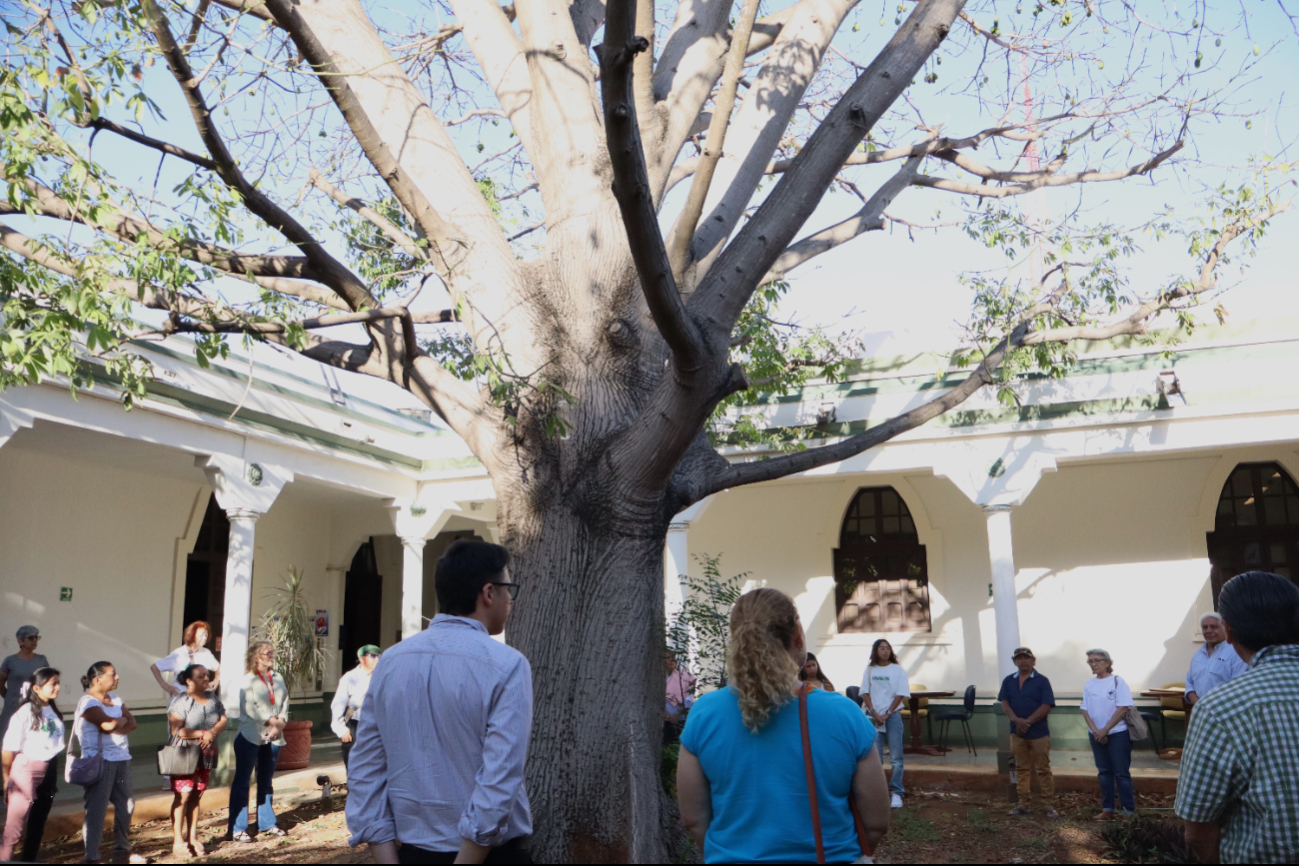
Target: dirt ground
(935,827)
(957,827)
(317,834)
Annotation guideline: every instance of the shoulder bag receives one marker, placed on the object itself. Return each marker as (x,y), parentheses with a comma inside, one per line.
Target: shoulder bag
(79,769)
(867,853)
(1137,728)
(179,757)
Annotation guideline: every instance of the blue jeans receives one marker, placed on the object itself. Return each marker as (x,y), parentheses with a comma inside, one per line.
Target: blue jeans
(247,756)
(892,730)
(1114,766)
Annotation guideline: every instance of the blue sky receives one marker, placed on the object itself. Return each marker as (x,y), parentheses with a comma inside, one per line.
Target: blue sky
(895,282)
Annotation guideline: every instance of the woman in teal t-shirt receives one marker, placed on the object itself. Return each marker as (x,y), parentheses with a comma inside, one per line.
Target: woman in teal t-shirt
(741,781)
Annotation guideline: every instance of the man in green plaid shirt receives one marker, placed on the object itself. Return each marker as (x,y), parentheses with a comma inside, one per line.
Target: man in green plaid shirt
(1239,786)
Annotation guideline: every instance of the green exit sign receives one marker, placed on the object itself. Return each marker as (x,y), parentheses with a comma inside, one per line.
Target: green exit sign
(65,593)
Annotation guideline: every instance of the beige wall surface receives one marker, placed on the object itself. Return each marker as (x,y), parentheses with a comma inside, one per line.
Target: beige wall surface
(120,538)
(110,535)
(1107,554)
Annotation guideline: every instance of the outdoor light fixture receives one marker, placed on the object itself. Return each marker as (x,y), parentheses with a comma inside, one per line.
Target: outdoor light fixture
(1168,384)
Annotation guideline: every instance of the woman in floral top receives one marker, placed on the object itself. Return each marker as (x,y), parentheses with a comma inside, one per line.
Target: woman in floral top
(198,714)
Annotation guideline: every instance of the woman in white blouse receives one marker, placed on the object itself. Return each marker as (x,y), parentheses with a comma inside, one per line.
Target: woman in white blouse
(193,651)
(1106,700)
(32,740)
(263,713)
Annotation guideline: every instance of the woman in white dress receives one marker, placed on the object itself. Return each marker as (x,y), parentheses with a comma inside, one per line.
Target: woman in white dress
(193,651)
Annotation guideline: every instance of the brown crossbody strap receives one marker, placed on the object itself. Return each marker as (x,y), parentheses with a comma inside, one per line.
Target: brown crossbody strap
(811,786)
(811,774)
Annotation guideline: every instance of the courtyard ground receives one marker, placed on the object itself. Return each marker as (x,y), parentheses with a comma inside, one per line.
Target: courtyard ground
(939,825)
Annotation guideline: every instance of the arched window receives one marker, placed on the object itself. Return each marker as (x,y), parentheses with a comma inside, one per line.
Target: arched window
(881,575)
(1257,525)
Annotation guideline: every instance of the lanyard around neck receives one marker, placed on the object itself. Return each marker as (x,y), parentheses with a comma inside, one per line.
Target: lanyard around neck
(268,683)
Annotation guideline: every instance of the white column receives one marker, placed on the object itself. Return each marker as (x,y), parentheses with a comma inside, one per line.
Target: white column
(676,562)
(412,585)
(237,624)
(1005,604)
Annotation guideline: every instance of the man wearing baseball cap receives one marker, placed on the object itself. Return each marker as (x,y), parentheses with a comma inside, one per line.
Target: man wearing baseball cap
(1027,699)
(346,708)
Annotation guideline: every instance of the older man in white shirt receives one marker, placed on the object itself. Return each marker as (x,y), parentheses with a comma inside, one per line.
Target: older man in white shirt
(345,710)
(443,739)
(1214,663)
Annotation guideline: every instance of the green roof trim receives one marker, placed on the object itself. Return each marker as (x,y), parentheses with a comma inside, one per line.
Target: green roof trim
(226,410)
(1155,359)
(264,385)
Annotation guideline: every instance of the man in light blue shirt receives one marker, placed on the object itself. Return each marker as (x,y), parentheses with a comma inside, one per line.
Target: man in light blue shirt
(1214,663)
(443,738)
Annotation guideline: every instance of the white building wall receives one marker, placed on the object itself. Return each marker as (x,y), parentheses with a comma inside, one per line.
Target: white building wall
(110,535)
(1107,554)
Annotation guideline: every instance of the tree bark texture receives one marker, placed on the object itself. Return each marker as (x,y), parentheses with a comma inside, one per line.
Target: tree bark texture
(590,621)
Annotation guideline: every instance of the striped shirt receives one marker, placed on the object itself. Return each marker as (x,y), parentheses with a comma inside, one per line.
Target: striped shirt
(442,742)
(1241,763)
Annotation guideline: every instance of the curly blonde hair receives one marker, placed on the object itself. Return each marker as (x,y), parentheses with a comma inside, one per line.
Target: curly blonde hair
(761,671)
(250,656)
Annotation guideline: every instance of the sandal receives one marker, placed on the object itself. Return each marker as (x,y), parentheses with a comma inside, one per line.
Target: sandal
(242,837)
(274,831)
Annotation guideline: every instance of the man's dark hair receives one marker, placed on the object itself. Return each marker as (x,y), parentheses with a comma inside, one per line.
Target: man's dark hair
(464,570)
(1261,608)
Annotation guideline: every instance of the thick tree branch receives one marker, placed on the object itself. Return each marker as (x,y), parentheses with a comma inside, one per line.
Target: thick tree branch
(869,218)
(731,282)
(140,138)
(632,189)
(679,253)
(255,8)
(499,53)
(738,474)
(327,269)
(401,137)
(763,120)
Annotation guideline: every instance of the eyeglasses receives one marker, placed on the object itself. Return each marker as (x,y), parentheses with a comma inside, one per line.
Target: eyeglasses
(511,588)
(372,655)
(266,655)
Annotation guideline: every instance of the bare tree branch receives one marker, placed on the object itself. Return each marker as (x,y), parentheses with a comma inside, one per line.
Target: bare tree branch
(679,251)
(1046,180)
(394,234)
(731,282)
(869,218)
(632,189)
(763,119)
(317,322)
(499,53)
(140,138)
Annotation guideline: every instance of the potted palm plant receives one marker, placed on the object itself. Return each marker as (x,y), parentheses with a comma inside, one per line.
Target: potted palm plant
(290,626)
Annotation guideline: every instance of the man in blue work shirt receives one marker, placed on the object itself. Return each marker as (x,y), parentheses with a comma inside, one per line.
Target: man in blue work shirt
(1027,699)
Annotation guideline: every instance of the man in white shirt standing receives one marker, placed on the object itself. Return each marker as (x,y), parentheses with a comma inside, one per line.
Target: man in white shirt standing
(443,738)
(345,710)
(1214,663)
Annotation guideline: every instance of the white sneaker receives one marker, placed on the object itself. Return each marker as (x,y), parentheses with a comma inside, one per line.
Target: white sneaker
(897,801)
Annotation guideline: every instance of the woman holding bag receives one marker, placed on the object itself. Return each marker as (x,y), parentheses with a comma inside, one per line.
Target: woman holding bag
(101,724)
(744,767)
(198,715)
(263,713)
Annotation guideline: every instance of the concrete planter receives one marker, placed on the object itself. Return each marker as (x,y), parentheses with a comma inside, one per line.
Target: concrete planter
(296,753)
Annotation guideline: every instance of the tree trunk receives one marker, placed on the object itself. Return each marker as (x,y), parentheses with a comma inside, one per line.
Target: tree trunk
(590,620)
